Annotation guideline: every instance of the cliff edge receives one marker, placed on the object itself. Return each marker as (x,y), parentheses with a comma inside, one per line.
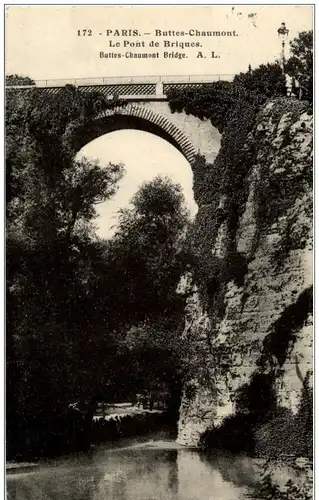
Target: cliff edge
(248,320)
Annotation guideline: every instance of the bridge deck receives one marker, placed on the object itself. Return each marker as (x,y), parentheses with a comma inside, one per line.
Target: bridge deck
(132,88)
(131,80)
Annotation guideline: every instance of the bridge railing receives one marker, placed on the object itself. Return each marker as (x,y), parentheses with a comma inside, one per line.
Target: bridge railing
(196,78)
(122,80)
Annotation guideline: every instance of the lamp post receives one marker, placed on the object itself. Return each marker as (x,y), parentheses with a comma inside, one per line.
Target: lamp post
(283,33)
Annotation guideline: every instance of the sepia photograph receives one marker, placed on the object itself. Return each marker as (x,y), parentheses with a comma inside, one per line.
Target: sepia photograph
(158,252)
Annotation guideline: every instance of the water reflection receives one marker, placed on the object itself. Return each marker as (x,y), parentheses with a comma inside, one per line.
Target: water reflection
(147,471)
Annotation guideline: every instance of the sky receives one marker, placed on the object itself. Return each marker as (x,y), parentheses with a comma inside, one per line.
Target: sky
(42,43)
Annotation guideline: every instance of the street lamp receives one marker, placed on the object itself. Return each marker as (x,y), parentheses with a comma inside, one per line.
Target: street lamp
(283,33)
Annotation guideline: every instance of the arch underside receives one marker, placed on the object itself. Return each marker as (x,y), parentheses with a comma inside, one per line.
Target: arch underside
(138,118)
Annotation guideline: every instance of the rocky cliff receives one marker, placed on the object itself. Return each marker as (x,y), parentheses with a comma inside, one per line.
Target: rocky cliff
(248,321)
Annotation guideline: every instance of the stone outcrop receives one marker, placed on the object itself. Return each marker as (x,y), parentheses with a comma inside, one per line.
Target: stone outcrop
(266,324)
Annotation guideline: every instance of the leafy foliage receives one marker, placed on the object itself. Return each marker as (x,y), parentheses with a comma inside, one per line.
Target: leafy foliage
(300,65)
(218,100)
(221,188)
(267,79)
(255,405)
(213,102)
(70,297)
(144,266)
(233,110)
(53,263)
(12,80)
(146,252)
(292,490)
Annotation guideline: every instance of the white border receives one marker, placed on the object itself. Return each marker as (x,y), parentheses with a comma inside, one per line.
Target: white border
(2,189)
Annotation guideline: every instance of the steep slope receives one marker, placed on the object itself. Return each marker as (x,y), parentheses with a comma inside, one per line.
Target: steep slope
(249,313)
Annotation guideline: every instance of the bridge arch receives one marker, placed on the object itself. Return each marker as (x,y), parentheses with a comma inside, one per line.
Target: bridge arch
(133,116)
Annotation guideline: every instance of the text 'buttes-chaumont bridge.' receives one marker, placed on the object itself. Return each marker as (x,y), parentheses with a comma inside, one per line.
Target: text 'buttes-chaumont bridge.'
(146,108)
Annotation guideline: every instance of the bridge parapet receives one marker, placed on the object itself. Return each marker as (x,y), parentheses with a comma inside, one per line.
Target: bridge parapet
(132,80)
(138,88)
(131,88)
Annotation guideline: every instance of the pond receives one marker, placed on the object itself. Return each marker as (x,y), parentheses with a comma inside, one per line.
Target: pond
(153,468)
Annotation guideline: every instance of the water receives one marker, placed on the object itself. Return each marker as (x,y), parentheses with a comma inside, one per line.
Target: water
(156,469)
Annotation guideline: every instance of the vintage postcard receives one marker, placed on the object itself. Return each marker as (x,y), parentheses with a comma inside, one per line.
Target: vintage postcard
(159,246)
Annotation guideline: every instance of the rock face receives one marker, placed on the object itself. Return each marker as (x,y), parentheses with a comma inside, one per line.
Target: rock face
(265,326)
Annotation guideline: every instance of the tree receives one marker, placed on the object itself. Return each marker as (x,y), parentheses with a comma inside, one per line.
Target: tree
(145,266)
(267,79)
(147,261)
(55,339)
(17,80)
(300,65)
(145,252)
(70,296)
(153,360)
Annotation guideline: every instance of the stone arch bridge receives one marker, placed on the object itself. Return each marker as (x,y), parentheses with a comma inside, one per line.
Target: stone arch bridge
(146,109)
